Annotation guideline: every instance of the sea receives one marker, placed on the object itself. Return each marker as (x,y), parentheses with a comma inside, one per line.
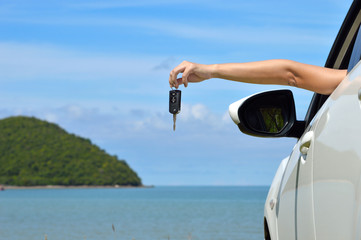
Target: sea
(169,213)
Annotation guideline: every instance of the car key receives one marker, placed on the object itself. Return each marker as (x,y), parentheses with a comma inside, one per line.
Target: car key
(174,104)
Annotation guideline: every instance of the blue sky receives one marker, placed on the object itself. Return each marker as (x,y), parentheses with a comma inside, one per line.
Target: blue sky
(100,69)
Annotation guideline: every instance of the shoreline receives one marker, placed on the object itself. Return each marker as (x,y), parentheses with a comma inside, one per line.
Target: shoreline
(5,187)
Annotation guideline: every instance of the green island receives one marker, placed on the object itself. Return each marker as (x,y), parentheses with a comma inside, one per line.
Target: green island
(38,153)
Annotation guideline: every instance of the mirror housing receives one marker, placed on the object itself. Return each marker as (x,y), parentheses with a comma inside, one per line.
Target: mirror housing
(267,114)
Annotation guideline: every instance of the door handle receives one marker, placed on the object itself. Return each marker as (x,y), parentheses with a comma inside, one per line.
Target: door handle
(305,142)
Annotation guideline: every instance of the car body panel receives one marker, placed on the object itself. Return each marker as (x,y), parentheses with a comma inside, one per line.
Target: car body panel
(337,162)
(271,205)
(304,201)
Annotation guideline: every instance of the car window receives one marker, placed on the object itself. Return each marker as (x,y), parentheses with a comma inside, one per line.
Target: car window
(340,54)
(356,52)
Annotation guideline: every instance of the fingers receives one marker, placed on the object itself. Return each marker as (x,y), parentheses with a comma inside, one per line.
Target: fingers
(174,73)
(185,75)
(186,68)
(180,81)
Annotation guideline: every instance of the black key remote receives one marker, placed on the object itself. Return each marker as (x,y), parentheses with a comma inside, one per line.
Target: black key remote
(174,104)
(174,101)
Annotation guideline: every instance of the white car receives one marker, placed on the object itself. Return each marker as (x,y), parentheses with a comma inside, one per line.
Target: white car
(316,193)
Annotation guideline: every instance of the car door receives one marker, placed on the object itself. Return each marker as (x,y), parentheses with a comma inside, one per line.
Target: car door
(337,159)
(295,197)
(328,191)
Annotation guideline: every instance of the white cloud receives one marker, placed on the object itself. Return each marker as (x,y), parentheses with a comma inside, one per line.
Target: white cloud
(200,117)
(166,64)
(51,117)
(29,61)
(199,112)
(74,111)
(115,124)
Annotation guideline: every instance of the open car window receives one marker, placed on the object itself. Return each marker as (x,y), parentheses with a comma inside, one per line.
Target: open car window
(340,54)
(356,52)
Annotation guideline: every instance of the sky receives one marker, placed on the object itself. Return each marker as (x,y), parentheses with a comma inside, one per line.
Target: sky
(99,69)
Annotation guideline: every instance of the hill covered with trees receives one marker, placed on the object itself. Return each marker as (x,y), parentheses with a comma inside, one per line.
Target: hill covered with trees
(35,152)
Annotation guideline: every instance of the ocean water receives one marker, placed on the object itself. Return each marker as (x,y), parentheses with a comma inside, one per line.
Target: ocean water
(208,213)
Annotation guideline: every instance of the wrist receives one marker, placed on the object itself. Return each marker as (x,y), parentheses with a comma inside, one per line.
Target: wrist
(213,70)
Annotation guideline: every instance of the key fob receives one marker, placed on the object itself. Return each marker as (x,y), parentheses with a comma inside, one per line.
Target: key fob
(174,101)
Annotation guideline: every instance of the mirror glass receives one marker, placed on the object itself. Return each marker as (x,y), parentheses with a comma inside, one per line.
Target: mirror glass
(266,119)
(273,119)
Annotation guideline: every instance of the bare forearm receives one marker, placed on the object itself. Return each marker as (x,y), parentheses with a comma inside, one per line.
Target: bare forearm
(281,72)
(262,72)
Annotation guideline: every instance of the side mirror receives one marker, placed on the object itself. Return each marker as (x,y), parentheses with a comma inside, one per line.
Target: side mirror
(267,114)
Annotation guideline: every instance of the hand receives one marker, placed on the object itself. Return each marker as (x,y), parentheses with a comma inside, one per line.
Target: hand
(192,72)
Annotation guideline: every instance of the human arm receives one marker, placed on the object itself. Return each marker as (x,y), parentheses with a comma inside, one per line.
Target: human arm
(281,72)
